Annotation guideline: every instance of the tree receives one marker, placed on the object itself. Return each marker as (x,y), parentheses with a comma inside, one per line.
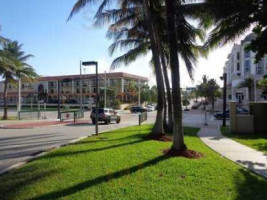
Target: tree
(249,84)
(210,90)
(231,19)
(14,66)
(263,83)
(186,101)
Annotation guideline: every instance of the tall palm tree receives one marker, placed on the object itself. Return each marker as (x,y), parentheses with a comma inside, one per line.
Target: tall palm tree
(248,83)
(14,67)
(158,127)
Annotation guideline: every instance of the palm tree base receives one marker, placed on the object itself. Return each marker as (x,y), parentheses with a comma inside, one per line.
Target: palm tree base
(159,137)
(191,154)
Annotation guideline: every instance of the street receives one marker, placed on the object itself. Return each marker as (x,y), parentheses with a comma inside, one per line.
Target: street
(18,145)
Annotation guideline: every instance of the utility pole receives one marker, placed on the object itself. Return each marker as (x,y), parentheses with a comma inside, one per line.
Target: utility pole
(81,98)
(105,98)
(19,103)
(224,98)
(58,99)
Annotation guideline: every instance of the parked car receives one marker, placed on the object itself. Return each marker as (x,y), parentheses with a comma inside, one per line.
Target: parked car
(242,111)
(137,109)
(219,115)
(106,115)
(71,101)
(150,108)
(196,105)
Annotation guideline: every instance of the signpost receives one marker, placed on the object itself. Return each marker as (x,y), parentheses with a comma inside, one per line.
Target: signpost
(142,117)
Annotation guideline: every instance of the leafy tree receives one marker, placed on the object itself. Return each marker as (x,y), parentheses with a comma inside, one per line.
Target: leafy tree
(209,89)
(263,84)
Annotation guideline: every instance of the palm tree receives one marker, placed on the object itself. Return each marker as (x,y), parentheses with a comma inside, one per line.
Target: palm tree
(14,66)
(158,127)
(231,19)
(249,84)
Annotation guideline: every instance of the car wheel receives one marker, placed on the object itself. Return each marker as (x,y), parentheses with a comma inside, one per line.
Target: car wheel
(108,121)
(118,121)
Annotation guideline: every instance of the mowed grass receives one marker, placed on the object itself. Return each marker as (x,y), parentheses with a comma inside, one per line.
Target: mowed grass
(256,141)
(121,165)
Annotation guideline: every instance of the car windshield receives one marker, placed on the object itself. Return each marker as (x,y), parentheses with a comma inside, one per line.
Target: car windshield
(100,110)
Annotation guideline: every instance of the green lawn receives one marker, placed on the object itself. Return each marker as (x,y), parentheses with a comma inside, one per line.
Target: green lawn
(120,165)
(256,141)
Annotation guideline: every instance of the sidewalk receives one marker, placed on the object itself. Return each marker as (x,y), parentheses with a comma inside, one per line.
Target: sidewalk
(249,158)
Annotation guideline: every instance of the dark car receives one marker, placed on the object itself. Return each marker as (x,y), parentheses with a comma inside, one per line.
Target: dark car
(106,115)
(138,109)
(219,115)
(71,101)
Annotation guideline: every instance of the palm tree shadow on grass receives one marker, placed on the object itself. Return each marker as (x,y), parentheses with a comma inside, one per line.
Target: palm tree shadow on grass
(101,179)
(106,139)
(21,178)
(63,154)
(252,187)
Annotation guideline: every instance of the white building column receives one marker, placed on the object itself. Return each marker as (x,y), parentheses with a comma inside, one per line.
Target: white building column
(122,85)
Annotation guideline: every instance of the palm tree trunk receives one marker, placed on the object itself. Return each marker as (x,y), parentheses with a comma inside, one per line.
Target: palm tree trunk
(168,89)
(178,134)
(5,100)
(158,127)
(165,123)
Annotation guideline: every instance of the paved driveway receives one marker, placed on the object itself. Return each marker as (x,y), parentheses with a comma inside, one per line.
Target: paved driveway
(18,145)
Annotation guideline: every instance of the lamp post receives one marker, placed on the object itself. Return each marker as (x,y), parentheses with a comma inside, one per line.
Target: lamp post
(224,78)
(96,96)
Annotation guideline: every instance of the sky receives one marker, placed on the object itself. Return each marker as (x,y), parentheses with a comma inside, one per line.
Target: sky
(58,46)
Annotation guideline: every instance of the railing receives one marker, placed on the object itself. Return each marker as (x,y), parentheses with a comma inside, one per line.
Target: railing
(71,114)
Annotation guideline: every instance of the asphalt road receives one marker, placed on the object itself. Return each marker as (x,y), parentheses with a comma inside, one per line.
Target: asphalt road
(18,145)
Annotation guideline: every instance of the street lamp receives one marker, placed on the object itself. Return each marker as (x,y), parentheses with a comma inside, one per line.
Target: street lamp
(224,79)
(89,63)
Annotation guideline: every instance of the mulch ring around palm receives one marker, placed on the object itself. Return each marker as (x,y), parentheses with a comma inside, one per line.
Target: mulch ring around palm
(191,154)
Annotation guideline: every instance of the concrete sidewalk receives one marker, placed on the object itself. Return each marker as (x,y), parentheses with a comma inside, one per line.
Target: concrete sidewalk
(247,157)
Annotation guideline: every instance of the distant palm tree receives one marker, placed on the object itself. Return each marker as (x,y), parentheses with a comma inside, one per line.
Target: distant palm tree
(14,66)
(248,83)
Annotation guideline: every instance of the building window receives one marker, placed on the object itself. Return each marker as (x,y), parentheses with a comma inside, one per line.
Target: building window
(52,91)
(247,53)
(247,66)
(230,97)
(238,55)
(238,66)
(260,67)
(77,91)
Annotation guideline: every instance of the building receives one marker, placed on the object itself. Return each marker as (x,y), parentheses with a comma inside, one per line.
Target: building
(72,87)
(241,65)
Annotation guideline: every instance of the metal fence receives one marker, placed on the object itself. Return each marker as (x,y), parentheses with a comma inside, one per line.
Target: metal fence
(72,114)
(24,115)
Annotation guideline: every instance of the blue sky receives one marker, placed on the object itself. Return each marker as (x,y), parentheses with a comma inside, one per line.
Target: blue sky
(58,46)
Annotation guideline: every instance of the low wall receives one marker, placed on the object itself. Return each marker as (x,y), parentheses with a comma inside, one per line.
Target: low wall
(259,111)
